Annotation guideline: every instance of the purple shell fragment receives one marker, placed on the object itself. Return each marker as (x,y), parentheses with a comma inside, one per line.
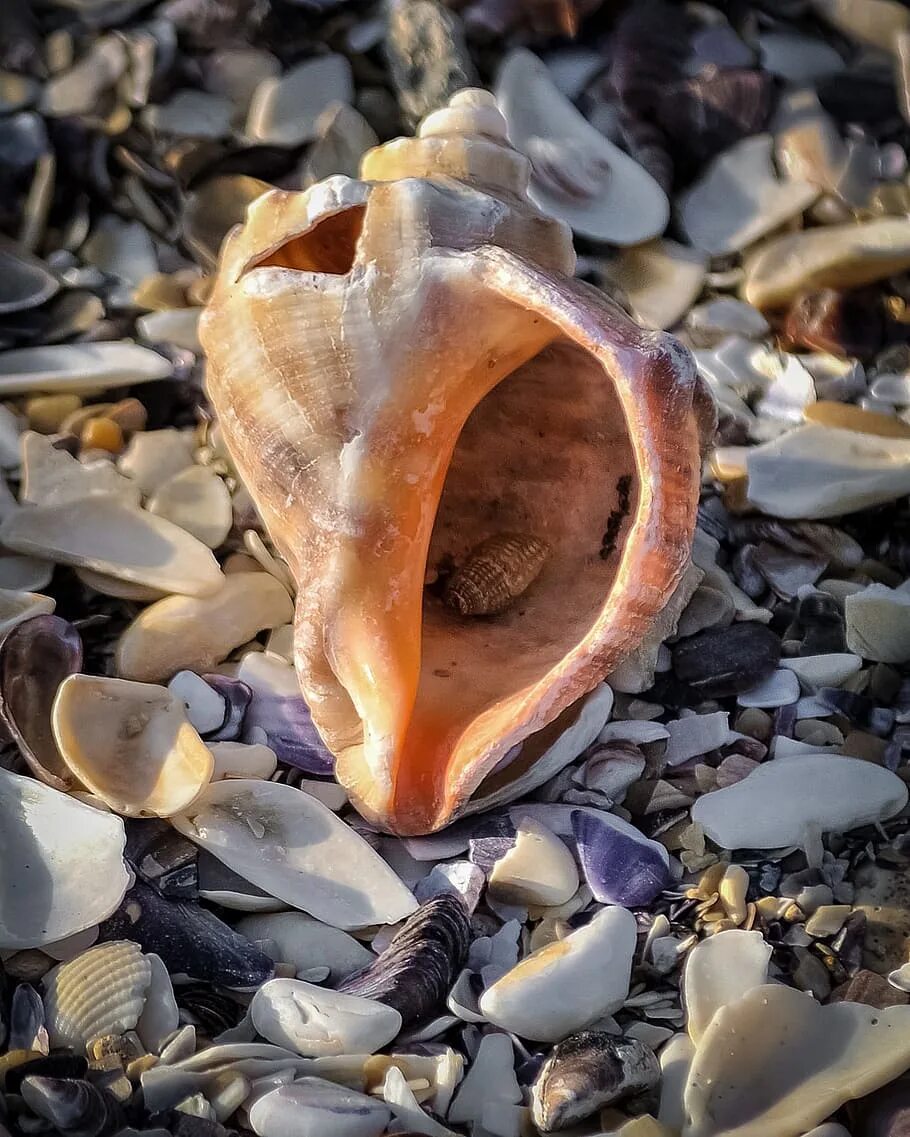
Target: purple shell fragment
(620,865)
(284,723)
(237,697)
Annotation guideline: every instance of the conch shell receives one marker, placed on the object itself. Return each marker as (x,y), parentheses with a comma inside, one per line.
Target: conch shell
(404,367)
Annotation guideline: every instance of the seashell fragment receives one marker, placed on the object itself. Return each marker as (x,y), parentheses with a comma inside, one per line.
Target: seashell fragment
(417,969)
(537,869)
(297,850)
(198,501)
(153,457)
(131,744)
(495,573)
(35,657)
(739,199)
(304,942)
(620,865)
(110,536)
(792,801)
(587,1072)
(79,367)
(72,1105)
(315,1023)
(51,476)
(415,478)
(61,864)
(878,623)
(24,280)
(100,992)
(578,175)
(660,279)
(835,256)
(16,607)
(194,633)
(569,983)
(312,1107)
(719,970)
(775,1063)
(284,111)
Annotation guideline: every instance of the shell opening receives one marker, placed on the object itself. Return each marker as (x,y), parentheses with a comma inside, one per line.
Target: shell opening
(546,453)
(328,247)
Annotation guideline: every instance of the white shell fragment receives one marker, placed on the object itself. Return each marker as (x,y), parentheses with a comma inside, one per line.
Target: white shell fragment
(243,760)
(719,970)
(578,176)
(821,471)
(61,864)
(284,111)
(79,367)
(694,735)
(878,623)
(100,992)
(661,280)
(312,1107)
(131,744)
(160,1016)
(568,983)
(194,634)
(775,1062)
(297,939)
(18,606)
(538,869)
(198,501)
(54,477)
(315,1022)
(829,670)
(110,536)
(790,801)
(490,1081)
(739,198)
(155,456)
(290,845)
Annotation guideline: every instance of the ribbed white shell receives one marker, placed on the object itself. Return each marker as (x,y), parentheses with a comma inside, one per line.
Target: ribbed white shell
(101,992)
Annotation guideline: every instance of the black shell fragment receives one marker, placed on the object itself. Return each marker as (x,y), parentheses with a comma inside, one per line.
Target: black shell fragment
(163,858)
(416,971)
(190,940)
(73,1106)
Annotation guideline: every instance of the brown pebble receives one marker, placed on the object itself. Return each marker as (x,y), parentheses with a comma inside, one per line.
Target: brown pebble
(859,744)
(870,988)
(495,573)
(46,413)
(848,417)
(129,414)
(102,434)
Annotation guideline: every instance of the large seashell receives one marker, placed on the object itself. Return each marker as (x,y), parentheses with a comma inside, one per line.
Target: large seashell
(379,439)
(131,744)
(35,658)
(417,969)
(99,992)
(61,864)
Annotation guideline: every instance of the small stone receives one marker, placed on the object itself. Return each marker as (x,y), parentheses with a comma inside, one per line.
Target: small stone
(787,572)
(538,869)
(726,661)
(102,434)
(197,500)
(191,114)
(828,670)
(878,623)
(45,413)
(154,456)
(695,735)
(827,919)
(872,989)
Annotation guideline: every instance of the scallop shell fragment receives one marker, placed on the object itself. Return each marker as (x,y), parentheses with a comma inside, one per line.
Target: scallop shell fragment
(578,175)
(61,864)
(131,744)
(293,847)
(100,992)
(110,536)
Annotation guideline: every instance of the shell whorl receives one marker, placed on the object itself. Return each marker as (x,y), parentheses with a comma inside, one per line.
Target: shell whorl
(467,139)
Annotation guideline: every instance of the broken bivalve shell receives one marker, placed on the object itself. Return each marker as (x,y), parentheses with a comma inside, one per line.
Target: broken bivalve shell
(79,367)
(620,864)
(100,992)
(292,937)
(587,1072)
(660,280)
(131,744)
(416,971)
(297,850)
(51,476)
(62,868)
(72,1105)
(719,970)
(536,869)
(577,174)
(194,633)
(459,694)
(312,1107)
(35,657)
(315,1023)
(564,986)
(198,501)
(112,537)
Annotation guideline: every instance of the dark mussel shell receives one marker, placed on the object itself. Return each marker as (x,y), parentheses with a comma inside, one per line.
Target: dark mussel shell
(72,1105)
(416,971)
(162,857)
(35,658)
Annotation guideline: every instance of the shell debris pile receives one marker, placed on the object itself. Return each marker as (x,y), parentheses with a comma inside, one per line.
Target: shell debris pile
(635,385)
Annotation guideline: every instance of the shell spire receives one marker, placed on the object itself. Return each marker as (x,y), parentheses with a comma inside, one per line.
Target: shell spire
(406,372)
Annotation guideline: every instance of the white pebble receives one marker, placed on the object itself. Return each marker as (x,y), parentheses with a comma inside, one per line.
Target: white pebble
(823,670)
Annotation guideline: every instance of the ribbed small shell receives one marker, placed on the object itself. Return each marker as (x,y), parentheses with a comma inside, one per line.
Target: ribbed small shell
(495,573)
(101,992)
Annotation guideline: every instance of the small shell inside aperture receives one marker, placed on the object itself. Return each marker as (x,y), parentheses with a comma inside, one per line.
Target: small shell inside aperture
(494,573)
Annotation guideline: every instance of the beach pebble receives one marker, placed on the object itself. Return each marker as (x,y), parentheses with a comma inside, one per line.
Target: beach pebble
(694,735)
(538,869)
(194,634)
(779,689)
(725,661)
(315,1022)
(878,623)
(569,983)
(791,801)
(829,670)
(724,316)
(620,864)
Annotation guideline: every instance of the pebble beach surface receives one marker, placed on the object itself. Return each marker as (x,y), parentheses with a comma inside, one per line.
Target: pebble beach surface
(699,925)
